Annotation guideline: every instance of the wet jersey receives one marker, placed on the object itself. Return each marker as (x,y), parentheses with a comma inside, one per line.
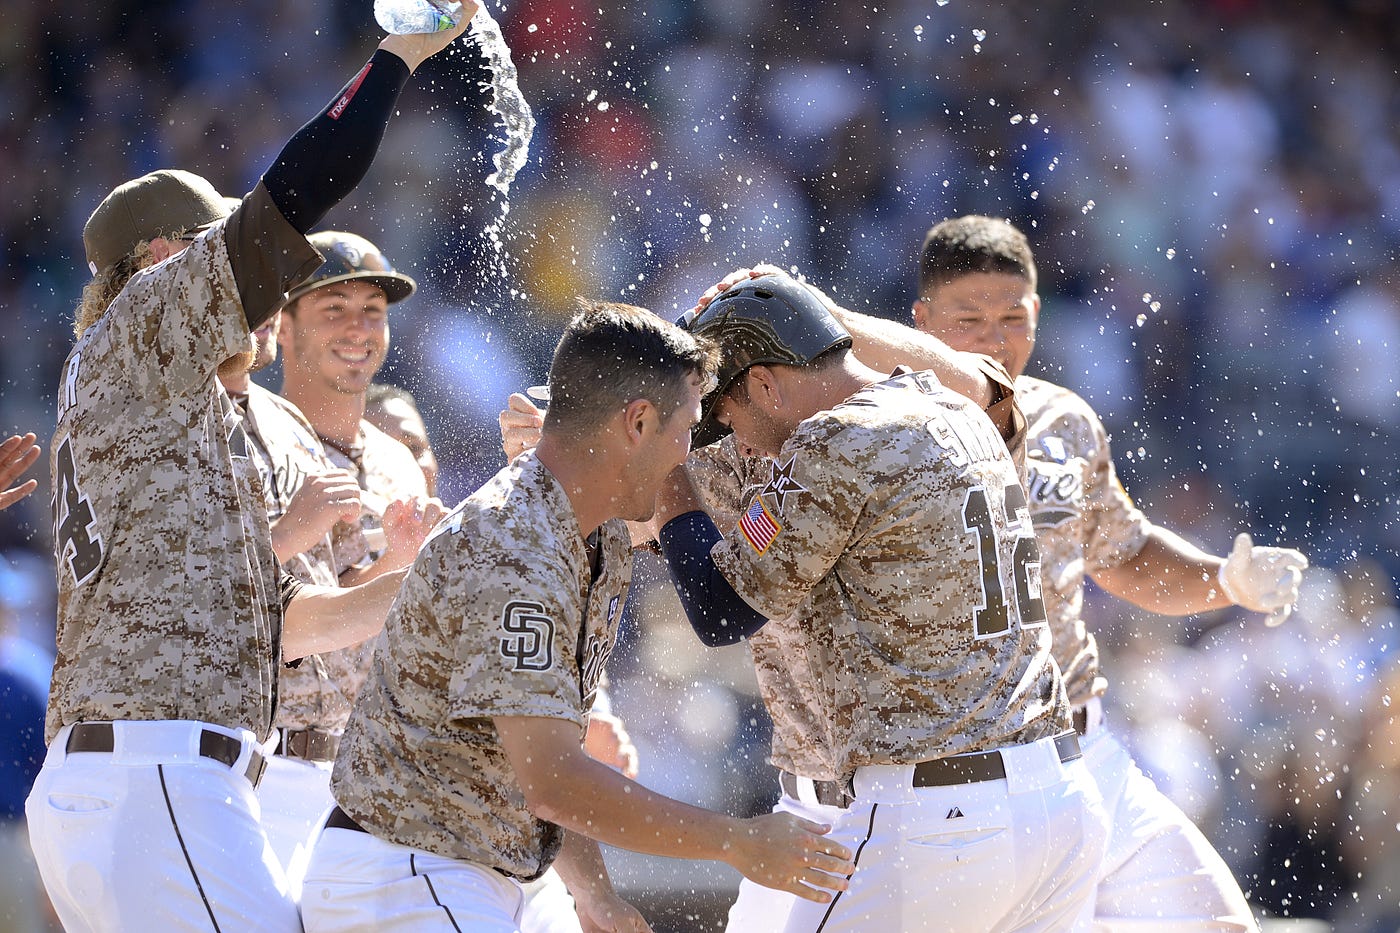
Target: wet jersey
(891,548)
(1084,519)
(501,615)
(168,600)
(386,471)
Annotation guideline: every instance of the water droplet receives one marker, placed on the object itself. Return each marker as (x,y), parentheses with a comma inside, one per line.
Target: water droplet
(919,32)
(1171,253)
(942,2)
(705,220)
(532,28)
(979,34)
(1016,119)
(1141,320)
(1088,207)
(603,106)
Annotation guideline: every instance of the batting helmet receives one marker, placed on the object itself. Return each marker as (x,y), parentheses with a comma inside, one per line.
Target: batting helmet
(353,257)
(769,319)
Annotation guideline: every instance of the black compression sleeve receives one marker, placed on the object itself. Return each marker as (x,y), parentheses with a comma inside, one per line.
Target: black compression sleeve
(718,615)
(327,157)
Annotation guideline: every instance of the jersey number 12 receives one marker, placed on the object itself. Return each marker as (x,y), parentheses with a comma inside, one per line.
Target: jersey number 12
(992,617)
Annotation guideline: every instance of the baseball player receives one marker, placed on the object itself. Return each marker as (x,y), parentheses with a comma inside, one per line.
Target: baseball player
(461,772)
(173,620)
(393,410)
(907,663)
(334,328)
(977,291)
(17,454)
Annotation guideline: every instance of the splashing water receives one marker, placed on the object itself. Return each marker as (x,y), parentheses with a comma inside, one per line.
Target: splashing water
(507,103)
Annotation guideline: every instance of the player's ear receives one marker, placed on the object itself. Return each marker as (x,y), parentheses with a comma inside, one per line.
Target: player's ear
(765,391)
(919,312)
(639,418)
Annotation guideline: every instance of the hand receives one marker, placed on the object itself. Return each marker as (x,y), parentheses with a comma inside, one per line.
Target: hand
(17,454)
(521,423)
(734,278)
(1263,579)
(607,741)
(407,524)
(419,47)
(783,852)
(608,913)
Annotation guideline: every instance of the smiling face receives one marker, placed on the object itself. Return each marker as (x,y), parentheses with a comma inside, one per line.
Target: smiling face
(984,312)
(337,336)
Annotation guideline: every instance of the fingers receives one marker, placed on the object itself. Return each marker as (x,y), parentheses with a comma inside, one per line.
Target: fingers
(17,454)
(1243,545)
(1279,616)
(519,402)
(10,496)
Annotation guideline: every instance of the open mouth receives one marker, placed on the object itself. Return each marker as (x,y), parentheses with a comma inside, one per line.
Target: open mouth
(351,356)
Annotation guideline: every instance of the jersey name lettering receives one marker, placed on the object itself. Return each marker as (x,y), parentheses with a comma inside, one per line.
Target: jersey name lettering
(968,441)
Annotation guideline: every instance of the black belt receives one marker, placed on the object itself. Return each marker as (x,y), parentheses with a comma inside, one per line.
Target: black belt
(308,744)
(225,749)
(339,819)
(829,793)
(971,768)
(975,767)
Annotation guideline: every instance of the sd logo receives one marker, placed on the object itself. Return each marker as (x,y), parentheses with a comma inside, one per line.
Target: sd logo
(530,639)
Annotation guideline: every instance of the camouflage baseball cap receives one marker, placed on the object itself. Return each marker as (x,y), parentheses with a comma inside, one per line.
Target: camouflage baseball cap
(768,319)
(164,203)
(352,257)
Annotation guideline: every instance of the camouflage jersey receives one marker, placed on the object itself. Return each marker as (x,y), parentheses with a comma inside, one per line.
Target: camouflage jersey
(891,548)
(168,590)
(500,616)
(320,692)
(314,693)
(1084,519)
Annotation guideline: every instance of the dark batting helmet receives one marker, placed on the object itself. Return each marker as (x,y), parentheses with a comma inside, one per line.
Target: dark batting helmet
(352,257)
(769,319)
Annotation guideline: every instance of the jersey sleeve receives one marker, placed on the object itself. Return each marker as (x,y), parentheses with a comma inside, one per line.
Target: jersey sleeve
(795,526)
(517,642)
(1116,529)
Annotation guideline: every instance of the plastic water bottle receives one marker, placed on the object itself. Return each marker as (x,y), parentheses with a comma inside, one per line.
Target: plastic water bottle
(405,17)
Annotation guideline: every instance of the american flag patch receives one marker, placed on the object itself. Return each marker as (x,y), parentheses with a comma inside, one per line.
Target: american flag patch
(759,526)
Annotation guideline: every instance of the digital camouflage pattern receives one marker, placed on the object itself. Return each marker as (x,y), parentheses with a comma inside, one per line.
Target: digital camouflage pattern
(1084,519)
(168,601)
(386,470)
(500,616)
(319,692)
(902,584)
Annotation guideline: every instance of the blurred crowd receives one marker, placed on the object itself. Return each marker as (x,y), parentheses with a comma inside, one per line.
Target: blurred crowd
(1212,188)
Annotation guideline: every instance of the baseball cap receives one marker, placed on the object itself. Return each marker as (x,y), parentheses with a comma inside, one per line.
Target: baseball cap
(347,257)
(768,319)
(163,203)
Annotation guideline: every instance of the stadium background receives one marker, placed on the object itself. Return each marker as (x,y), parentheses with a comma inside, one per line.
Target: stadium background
(1212,188)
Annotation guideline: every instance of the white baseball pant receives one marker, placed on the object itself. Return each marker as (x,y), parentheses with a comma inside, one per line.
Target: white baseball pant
(358,882)
(155,836)
(1015,854)
(295,795)
(1160,873)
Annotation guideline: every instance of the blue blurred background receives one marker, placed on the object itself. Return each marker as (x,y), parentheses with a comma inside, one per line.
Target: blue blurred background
(1212,188)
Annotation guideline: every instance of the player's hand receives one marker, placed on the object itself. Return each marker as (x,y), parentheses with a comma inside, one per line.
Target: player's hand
(407,524)
(521,423)
(607,741)
(608,913)
(320,501)
(419,47)
(1263,579)
(734,278)
(17,454)
(783,852)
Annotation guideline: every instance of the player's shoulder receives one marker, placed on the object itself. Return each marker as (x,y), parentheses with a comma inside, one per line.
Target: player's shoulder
(260,398)
(1041,397)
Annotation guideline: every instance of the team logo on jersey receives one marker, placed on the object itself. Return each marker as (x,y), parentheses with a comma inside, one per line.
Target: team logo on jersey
(758,525)
(529,639)
(613,605)
(782,485)
(1056,491)
(592,659)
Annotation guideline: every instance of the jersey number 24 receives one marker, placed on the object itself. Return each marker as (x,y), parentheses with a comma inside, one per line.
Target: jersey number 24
(993,616)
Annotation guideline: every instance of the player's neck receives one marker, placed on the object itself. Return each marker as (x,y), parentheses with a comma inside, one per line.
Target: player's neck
(336,416)
(588,479)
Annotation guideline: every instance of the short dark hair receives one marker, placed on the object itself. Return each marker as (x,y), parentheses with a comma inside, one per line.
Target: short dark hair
(974,243)
(612,354)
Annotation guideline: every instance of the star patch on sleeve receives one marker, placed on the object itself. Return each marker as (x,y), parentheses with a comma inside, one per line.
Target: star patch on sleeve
(782,484)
